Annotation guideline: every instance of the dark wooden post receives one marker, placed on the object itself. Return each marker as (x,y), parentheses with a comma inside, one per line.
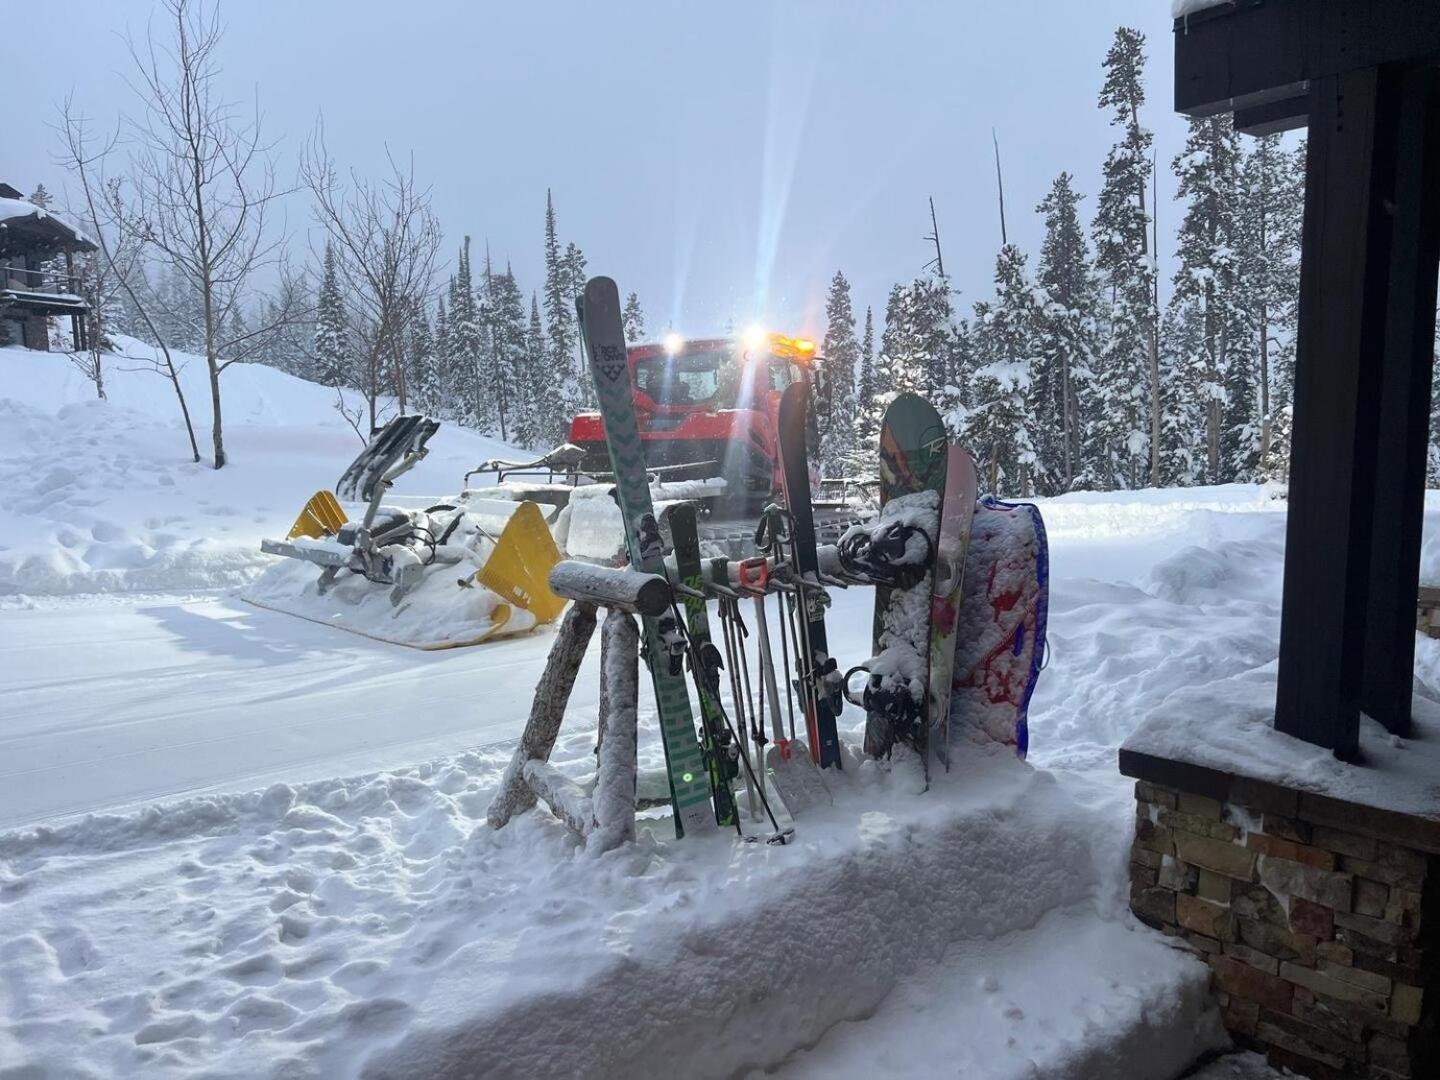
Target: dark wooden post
(1341,323)
(1362,382)
(1399,483)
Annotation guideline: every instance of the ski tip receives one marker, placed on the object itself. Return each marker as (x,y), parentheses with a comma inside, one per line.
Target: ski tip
(598,289)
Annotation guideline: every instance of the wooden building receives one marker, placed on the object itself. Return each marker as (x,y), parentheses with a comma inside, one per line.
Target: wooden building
(37,274)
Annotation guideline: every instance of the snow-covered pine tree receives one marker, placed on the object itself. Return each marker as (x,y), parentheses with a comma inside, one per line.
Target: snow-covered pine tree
(529,420)
(842,353)
(1069,298)
(562,392)
(41,197)
(331,349)
(1007,344)
(447,390)
(422,370)
(1207,289)
(866,425)
(915,346)
(1122,438)
(575,272)
(1270,213)
(467,347)
(634,319)
(489,364)
(511,351)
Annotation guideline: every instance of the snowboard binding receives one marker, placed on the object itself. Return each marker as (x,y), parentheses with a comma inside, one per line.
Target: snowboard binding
(891,711)
(886,555)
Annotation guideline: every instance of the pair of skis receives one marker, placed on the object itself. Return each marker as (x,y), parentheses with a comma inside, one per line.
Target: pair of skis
(915,556)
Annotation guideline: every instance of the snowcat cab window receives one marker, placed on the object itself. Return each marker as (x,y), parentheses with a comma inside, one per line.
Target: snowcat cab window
(692,378)
(782,373)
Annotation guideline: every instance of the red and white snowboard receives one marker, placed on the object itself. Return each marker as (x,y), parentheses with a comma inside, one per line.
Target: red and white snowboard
(957,510)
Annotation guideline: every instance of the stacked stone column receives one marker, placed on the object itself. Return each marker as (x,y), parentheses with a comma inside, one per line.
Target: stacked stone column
(1317,935)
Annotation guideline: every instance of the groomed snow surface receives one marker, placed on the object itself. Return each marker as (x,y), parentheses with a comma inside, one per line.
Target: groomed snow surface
(282,867)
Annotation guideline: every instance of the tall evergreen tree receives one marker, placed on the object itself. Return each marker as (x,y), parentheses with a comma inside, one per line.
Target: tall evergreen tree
(529,421)
(449,393)
(467,345)
(1069,298)
(332,353)
(1217,379)
(1008,343)
(1272,203)
(511,351)
(562,392)
(866,412)
(842,353)
(634,319)
(1123,438)
(423,371)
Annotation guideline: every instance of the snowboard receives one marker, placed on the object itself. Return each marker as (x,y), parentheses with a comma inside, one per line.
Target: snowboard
(604,337)
(898,553)
(957,512)
(721,754)
(1000,644)
(817,676)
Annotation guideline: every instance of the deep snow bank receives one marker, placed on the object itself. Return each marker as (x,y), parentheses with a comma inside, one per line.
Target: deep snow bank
(101,496)
(376,927)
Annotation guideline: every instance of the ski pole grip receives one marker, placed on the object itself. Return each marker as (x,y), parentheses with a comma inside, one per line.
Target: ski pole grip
(613,587)
(754,574)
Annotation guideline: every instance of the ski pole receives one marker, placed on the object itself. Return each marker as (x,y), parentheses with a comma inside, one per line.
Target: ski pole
(779,836)
(757,581)
(734,650)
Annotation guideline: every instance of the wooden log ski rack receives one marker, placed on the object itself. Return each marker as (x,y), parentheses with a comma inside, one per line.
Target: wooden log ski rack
(604,816)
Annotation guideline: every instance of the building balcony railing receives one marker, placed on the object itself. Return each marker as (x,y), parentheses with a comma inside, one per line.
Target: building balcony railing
(13,279)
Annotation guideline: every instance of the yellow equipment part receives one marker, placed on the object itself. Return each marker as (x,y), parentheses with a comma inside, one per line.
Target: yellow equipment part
(320,517)
(518,570)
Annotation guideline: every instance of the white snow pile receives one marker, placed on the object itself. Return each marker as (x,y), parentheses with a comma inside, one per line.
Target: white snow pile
(377,927)
(102,496)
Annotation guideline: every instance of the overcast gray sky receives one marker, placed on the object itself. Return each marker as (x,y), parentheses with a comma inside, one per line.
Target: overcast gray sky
(721,159)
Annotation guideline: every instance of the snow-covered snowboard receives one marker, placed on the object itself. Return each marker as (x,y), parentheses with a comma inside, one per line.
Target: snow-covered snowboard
(957,511)
(1000,638)
(897,552)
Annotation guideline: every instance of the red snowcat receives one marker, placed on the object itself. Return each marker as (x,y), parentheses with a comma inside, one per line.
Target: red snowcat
(709,408)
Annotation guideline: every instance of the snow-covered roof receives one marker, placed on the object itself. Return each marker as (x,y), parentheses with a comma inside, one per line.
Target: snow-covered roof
(18,209)
(1180,8)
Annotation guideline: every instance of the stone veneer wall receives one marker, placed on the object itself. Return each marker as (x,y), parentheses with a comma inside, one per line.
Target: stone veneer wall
(1321,940)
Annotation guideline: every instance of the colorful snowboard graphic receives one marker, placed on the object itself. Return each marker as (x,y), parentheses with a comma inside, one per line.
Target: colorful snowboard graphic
(1000,639)
(957,511)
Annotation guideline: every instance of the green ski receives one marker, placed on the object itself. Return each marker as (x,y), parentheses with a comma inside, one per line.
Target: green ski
(721,753)
(604,337)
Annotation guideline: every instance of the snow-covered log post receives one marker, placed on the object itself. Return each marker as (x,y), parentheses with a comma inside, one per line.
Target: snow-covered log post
(529,775)
(552,694)
(613,805)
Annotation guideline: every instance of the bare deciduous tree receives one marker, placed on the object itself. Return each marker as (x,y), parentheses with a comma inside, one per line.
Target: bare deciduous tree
(119,252)
(385,238)
(204,182)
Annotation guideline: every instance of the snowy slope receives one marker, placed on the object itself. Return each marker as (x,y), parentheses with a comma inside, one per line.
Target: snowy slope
(101,496)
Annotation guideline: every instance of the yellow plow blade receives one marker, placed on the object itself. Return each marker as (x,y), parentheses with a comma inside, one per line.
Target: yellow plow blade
(518,570)
(321,517)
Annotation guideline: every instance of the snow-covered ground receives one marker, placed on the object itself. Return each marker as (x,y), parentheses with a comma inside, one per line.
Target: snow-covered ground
(315,891)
